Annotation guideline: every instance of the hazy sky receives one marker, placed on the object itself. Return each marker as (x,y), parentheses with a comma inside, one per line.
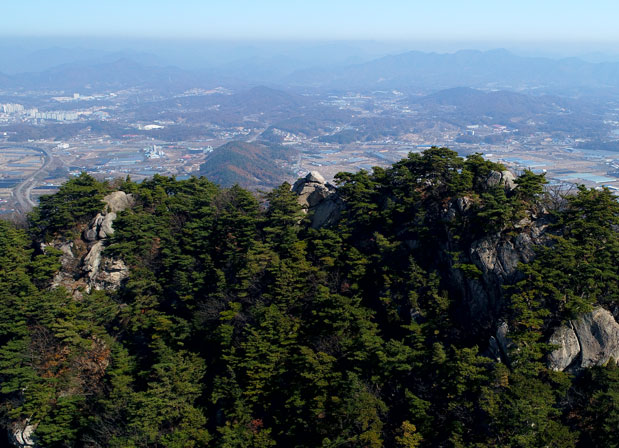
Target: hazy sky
(517,20)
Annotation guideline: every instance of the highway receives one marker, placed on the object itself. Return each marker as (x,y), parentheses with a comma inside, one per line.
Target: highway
(22,193)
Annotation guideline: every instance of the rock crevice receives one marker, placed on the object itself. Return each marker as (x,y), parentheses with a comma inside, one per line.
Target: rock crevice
(590,340)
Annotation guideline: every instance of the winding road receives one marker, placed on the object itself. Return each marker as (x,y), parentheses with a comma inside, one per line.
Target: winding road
(22,193)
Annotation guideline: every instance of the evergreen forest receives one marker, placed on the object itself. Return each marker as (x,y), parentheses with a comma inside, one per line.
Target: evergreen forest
(242,325)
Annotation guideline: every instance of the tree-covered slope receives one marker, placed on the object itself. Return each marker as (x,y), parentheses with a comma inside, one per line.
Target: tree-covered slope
(247,164)
(240,325)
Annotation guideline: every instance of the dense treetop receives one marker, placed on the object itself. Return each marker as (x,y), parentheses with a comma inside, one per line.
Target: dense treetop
(241,326)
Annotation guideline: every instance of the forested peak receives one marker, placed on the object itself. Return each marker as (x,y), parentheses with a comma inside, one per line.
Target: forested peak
(434,302)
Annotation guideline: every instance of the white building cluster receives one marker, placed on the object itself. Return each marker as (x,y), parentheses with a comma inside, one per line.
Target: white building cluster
(57,115)
(154,152)
(10,108)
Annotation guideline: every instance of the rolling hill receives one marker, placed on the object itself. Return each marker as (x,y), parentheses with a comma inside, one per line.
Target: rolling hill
(251,165)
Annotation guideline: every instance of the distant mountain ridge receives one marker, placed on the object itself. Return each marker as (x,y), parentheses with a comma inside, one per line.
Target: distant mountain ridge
(467,67)
(18,60)
(121,73)
(413,70)
(496,103)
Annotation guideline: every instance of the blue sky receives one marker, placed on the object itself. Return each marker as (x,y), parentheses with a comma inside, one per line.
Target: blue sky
(501,20)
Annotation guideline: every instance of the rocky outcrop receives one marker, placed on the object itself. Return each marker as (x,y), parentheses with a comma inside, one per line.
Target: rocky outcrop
(103,273)
(505,178)
(21,435)
(319,199)
(92,260)
(69,262)
(590,340)
(508,179)
(497,257)
(500,345)
(503,340)
(111,275)
(569,348)
(500,254)
(101,226)
(85,267)
(598,335)
(118,201)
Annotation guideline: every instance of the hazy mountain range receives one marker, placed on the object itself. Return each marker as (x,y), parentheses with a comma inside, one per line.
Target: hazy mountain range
(500,69)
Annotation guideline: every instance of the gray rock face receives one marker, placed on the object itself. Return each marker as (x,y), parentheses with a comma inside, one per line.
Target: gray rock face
(100,227)
(110,276)
(102,272)
(92,232)
(569,348)
(21,435)
(319,199)
(311,194)
(590,340)
(68,262)
(505,178)
(503,340)
(500,346)
(493,179)
(598,334)
(327,213)
(105,229)
(463,204)
(497,256)
(315,176)
(119,201)
(508,179)
(92,260)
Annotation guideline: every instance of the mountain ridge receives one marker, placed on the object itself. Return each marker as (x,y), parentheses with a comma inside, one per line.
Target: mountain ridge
(411,305)
(412,69)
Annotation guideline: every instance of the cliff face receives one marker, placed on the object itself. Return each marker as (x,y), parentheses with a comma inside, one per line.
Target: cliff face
(591,339)
(319,199)
(497,257)
(84,265)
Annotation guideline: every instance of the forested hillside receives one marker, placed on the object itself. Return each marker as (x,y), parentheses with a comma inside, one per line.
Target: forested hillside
(436,311)
(248,164)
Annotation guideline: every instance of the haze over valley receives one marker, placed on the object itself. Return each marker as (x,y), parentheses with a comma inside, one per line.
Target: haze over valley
(306,224)
(266,116)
